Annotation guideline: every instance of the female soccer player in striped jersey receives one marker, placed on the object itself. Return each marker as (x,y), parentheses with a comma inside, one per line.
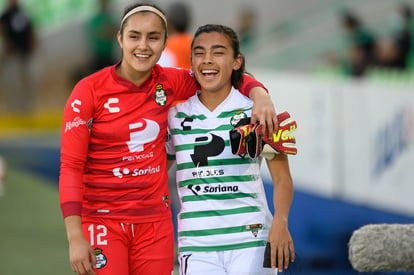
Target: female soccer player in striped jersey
(224,222)
(113,179)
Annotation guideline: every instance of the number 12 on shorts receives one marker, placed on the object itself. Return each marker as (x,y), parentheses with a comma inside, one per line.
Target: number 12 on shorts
(97,234)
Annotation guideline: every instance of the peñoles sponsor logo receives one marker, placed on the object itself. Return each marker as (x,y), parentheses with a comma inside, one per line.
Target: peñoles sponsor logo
(118,172)
(77,121)
(138,157)
(207,173)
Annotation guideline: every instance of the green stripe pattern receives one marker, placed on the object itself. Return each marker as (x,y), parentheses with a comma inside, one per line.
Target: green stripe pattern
(222,199)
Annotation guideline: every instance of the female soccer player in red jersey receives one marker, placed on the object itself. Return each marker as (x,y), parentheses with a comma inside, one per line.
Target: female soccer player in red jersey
(113,179)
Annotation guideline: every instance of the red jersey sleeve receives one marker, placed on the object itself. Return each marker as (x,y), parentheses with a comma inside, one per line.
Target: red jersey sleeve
(249,83)
(77,114)
(183,83)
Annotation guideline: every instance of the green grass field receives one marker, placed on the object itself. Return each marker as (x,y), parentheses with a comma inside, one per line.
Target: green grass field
(32,233)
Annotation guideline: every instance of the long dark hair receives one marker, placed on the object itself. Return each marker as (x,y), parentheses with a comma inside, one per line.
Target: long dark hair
(236,76)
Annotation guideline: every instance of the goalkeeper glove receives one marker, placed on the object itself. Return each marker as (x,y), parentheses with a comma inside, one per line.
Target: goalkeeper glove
(281,142)
(238,137)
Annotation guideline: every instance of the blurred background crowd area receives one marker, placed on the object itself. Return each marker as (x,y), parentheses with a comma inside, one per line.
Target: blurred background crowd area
(68,39)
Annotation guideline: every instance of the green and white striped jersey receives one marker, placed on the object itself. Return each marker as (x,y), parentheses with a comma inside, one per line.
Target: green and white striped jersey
(223,204)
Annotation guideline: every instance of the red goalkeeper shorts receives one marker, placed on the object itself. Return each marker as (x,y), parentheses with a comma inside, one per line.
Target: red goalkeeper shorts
(131,249)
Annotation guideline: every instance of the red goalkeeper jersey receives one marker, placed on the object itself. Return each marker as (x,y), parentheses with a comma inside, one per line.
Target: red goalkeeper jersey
(113,158)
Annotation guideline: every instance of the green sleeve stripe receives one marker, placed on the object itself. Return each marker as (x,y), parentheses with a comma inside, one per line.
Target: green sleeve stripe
(216,231)
(232,113)
(203,117)
(184,115)
(185,147)
(190,146)
(212,213)
(222,247)
(211,180)
(232,161)
(219,197)
(177,131)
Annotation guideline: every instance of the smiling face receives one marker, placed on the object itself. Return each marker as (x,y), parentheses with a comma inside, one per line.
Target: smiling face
(213,61)
(142,41)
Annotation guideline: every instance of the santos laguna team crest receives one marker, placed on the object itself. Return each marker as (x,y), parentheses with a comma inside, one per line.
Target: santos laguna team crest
(237,117)
(100,258)
(160,95)
(254,228)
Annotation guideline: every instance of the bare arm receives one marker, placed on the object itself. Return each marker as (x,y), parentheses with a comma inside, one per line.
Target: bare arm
(279,236)
(170,162)
(263,110)
(81,254)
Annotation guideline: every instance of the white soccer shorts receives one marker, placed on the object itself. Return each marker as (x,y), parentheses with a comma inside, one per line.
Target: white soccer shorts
(246,261)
